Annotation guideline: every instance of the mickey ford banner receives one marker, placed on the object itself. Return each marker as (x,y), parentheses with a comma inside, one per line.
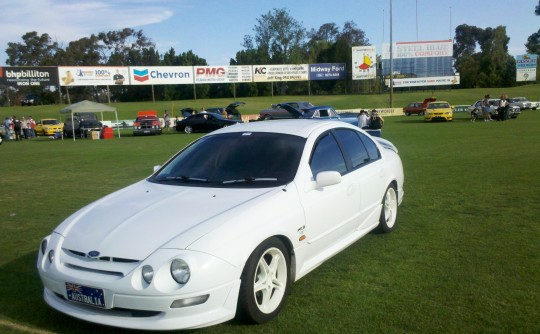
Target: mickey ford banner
(15,76)
(269,73)
(327,71)
(93,76)
(526,67)
(161,75)
(364,62)
(223,74)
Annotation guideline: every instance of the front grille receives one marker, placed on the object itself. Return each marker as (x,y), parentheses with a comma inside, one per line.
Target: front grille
(101,258)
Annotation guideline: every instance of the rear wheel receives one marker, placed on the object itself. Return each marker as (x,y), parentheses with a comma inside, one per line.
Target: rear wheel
(268,117)
(188,129)
(387,220)
(265,282)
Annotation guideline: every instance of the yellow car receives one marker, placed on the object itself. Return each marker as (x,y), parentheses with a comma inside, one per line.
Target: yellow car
(438,111)
(48,127)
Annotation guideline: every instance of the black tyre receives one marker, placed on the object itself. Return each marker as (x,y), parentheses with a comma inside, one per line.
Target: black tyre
(387,220)
(188,129)
(268,117)
(265,282)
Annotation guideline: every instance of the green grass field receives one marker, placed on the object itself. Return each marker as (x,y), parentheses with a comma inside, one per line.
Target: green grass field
(464,257)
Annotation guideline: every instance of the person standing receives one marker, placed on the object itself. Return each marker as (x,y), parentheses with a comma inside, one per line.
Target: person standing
(501,109)
(486,108)
(32,124)
(167,120)
(7,128)
(362,119)
(375,121)
(17,126)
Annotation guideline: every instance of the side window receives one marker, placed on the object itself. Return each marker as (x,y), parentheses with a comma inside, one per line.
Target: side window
(371,148)
(327,156)
(353,147)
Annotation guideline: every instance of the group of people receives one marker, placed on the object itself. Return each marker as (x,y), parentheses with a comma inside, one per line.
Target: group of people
(502,110)
(21,128)
(373,122)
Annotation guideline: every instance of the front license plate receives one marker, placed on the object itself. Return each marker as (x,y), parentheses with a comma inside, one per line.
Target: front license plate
(85,295)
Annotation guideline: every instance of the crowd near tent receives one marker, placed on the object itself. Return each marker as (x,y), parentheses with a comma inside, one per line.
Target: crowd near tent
(89,106)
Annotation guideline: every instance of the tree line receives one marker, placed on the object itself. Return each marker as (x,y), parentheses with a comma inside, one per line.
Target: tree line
(480,56)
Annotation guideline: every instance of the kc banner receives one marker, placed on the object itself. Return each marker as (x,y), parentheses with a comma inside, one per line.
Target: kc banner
(269,73)
(28,76)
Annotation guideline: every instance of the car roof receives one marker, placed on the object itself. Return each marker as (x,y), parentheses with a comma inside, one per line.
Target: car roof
(297,127)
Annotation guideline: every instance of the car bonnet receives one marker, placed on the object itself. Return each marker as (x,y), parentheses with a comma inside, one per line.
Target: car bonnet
(135,221)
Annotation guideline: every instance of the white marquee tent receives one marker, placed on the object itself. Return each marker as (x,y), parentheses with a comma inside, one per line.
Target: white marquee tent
(89,106)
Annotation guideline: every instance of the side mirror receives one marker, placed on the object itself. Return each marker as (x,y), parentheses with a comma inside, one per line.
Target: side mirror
(329,178)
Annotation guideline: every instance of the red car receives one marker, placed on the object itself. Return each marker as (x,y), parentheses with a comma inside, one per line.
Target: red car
(147,123)
(418,108)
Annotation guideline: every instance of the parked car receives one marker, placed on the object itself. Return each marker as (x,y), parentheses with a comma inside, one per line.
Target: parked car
(31,100)
(224,227)
(438,111)
(204,122)
(514,110)
(522,102)
(418,108)
(81,124)
(147,123)
(535,105)
(285,110)
(48,127)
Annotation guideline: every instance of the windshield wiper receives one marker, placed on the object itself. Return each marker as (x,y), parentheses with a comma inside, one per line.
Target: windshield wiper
(251,179)
(186,178)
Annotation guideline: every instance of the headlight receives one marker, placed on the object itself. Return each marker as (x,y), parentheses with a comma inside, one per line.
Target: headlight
(44,246)
(147,274)
(180,271)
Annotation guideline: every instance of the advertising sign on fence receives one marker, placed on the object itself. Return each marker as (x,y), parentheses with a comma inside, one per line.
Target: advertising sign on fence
(327,71)
(161,75)
(15,76)
(93,76)
(269,73)
(526,67)
(222,74)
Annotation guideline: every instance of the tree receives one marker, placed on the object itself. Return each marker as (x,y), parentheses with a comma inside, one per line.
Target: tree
(533,43)
(34,51)
(124,47)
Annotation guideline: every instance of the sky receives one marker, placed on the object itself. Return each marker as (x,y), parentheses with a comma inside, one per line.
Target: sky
(215,29)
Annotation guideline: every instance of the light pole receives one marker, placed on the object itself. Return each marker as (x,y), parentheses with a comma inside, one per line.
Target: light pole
(391,61)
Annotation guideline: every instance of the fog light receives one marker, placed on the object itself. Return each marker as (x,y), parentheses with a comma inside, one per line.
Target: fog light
(147,274)
(190,301)
(51,256)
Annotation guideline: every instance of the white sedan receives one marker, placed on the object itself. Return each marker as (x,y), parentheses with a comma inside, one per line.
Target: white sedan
(224,227)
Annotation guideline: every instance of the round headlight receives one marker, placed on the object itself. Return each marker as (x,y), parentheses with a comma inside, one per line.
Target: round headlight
(51,256)
(180,271)
(43,246)
(147,274)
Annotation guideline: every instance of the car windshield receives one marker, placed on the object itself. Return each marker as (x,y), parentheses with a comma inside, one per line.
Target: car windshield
(438,105)
(240,159)
(50,122)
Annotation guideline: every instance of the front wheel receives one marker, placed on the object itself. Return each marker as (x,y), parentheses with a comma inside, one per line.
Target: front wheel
(188,129)
(387,220)
(265,282)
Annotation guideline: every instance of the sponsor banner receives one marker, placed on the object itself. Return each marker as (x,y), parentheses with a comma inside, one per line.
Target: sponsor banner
(430,81)
(382,111)
(526,67)
(23,76)
(327,71)
(222,74)
(93,76)
(526,61)
(364,62)
(161,75)
(418,49)
(270,73)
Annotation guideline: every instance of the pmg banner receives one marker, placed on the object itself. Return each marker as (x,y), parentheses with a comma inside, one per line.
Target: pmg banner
(223,74)
(269,73)
(23,76)
(364,62)
(327,71)
(93,75)
(161,75)
(526,67)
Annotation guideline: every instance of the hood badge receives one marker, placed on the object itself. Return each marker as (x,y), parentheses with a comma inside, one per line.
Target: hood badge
(93,254)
